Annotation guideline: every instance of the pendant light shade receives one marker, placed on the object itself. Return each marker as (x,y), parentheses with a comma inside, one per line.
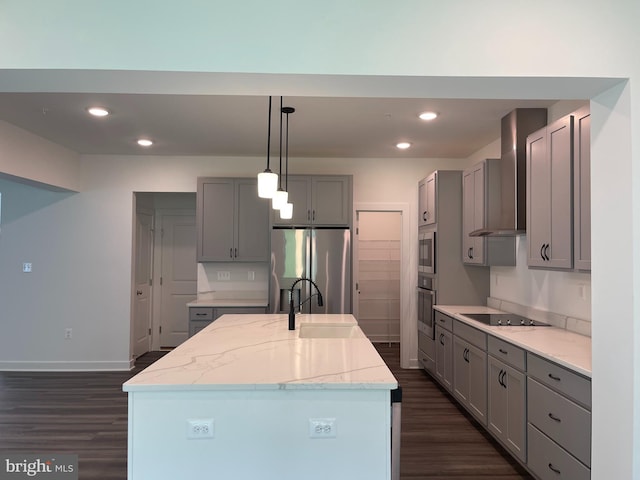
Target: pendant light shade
(286,212)
(267,184)
(267,180)
(280,199)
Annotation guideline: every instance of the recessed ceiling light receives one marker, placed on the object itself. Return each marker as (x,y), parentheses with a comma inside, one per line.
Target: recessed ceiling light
(428,115)
(98,111)
(144,142)
(403,145)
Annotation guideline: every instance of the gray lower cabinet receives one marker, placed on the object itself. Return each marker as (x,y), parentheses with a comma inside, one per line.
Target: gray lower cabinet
(201,317)
(538,410)
(470,369)
(559,421)
(444,357)
(507,396)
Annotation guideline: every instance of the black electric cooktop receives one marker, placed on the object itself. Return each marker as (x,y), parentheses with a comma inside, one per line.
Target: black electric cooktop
(504,320)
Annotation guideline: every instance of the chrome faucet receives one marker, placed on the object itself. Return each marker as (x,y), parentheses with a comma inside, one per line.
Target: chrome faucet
(292,314)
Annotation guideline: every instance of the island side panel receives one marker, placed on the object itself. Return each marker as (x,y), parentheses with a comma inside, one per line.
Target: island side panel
(260,434)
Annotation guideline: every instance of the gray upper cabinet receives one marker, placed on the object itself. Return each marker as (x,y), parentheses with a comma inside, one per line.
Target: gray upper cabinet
(322,200)
(549,195)
(232,221)
(481,209)
(582,189)
(427,200)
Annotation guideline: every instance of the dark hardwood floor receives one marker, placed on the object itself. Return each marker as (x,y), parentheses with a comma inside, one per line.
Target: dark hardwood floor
(86,414)
(440,440)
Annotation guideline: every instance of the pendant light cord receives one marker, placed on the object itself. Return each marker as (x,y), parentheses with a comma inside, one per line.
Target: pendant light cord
(280,176)
(286,178)
(269,134)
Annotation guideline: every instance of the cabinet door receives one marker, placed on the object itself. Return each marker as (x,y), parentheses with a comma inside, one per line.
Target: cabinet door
(422,202)
(473,214)
(215,219)
(560,147)
(431,191)
(582,190)
(299,189)
(444,358)
(251,223)
(477,398)
(549,195)
(538,198)
(506,410)
(330,201)
(460,371)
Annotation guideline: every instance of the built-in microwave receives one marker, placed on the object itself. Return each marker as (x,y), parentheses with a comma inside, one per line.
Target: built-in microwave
(427,252)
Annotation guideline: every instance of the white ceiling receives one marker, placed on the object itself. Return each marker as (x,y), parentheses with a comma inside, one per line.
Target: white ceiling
(236,125)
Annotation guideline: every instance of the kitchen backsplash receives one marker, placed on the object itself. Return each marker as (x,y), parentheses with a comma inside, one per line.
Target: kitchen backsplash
(233,281)
(576,325)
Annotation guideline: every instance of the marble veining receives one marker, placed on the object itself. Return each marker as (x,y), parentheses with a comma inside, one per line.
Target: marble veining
(558,345)
(250,352)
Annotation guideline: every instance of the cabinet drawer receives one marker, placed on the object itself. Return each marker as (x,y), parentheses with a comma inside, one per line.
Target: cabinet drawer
(443,320)
(564,421)
(548,461)
(559,378)
(472,335)
(239,310)
(201,313)
(507,353)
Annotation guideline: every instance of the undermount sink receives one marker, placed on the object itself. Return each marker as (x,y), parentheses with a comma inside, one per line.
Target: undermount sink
(319,330)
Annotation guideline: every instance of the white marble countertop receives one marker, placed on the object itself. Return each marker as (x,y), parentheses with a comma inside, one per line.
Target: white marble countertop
(254,352)
(238,302)
(563,347)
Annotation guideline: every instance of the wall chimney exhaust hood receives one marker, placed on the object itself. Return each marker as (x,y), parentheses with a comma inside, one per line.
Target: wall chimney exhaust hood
(515,126)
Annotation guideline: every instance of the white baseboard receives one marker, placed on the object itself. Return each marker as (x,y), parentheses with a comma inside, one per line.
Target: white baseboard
(64,366)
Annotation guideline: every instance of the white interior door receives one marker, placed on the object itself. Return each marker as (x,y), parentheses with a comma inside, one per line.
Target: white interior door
(142,294)
(377,268)
(178,277)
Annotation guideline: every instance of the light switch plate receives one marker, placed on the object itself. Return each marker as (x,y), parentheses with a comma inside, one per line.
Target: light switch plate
(27,267)
(224,275)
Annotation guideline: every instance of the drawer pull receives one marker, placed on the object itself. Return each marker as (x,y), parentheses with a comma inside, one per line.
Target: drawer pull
(554,418)
(201,314)
(504,352)
(554,469)
(553,377)
(442,320)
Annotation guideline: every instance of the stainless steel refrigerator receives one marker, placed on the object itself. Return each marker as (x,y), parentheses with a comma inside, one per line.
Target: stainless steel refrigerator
(321,254)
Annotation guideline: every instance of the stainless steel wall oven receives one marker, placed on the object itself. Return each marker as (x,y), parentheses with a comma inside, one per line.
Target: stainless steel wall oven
(427,252)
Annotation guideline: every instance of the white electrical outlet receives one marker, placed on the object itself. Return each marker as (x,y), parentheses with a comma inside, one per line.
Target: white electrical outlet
(224,275)
(252,275)
(322,428)
(68,333)
(200,428)
(27,267)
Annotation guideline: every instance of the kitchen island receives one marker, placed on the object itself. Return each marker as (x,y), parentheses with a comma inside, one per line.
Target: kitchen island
(246,398)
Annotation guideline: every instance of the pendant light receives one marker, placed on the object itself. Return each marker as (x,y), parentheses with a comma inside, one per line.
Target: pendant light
(286,211)
(267,180)
(280,197)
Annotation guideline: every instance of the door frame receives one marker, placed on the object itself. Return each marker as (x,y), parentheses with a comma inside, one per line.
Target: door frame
(408,311)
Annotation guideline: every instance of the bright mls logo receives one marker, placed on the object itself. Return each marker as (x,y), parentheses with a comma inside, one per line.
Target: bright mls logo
(18,466)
